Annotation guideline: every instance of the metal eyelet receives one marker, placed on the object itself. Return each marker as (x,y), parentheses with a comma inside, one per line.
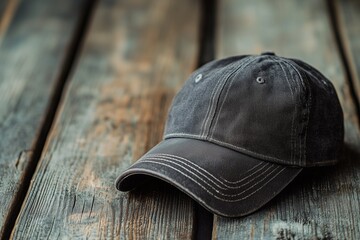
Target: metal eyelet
(198,78)
(260,80)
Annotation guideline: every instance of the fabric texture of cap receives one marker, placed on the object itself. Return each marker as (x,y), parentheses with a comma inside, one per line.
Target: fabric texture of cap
(241,129)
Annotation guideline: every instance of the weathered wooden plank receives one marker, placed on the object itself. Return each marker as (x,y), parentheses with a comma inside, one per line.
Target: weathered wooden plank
(348,19)
(3,5)
(7,9)
(32,52)
(136,56)
(323,203)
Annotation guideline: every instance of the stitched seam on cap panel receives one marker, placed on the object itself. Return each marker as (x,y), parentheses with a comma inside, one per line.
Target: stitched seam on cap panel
(246,151)
(229,145)
(300,162)
(212,99)
(242,66)
(308,111)
(228,199)
(227,91)
(308,116)
(307,108)
(299,107)
(214,96)
(221,106)
(212,178)
(206,178)
(293,143)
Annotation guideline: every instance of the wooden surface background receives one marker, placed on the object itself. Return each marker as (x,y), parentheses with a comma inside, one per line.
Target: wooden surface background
(85,87)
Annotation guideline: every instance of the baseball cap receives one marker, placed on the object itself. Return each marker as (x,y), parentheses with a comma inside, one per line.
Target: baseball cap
(241,129)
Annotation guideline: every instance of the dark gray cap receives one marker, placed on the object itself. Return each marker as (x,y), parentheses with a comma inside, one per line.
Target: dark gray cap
(241,129)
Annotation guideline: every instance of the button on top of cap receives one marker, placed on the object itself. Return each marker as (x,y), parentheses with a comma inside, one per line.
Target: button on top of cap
(268,53)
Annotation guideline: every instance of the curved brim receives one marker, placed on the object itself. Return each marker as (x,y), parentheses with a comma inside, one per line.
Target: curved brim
(224,181)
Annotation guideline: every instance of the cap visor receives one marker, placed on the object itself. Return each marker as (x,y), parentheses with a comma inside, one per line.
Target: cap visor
(224,181)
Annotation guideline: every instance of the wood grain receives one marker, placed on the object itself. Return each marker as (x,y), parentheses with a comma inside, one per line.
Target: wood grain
(322,203)
(348,18)
(136,56)
(32,52)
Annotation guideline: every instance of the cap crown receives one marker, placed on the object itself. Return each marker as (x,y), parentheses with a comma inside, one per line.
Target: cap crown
(272,108)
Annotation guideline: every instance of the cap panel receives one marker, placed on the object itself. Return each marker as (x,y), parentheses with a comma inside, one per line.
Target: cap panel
(325,131)
(259,117)
(281,122)
(191,105)
(303,101)
(232,69)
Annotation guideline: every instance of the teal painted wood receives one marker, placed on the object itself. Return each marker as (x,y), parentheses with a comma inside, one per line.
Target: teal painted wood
(323,203)
(348,18)
(136,55)
(32,49)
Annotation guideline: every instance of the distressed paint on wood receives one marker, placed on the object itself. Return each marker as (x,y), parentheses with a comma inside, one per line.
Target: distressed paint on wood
(29,69)
(348,18)
(136,56)
(322,203)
